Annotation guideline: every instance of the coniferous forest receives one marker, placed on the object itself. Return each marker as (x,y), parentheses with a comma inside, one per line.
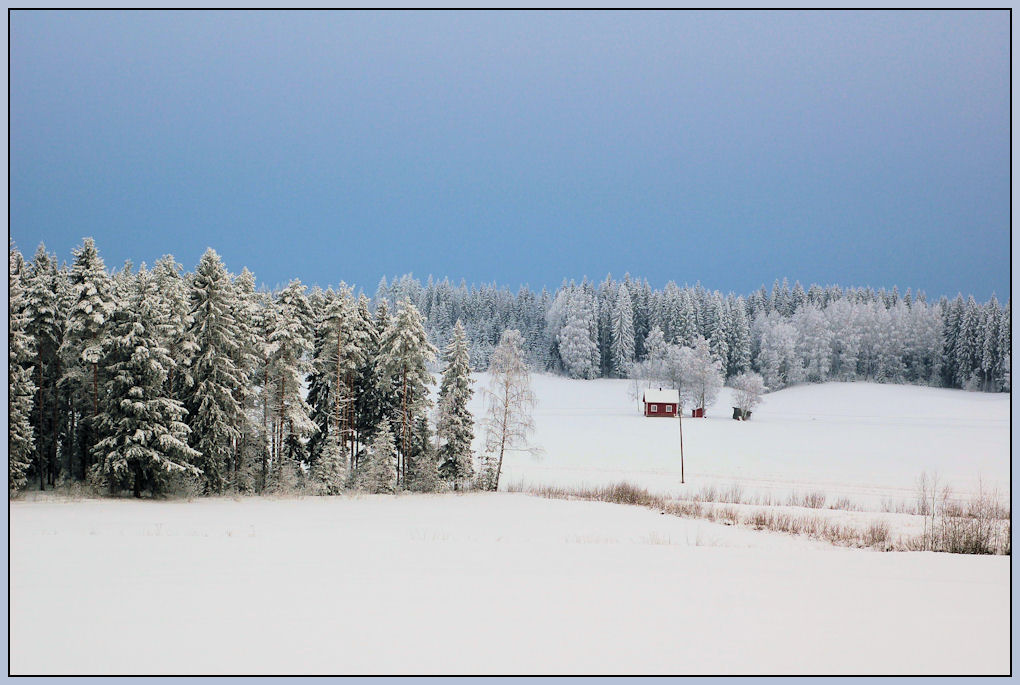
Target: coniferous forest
(154,379)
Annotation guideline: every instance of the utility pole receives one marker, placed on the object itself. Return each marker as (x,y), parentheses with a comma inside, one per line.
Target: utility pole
(680,414)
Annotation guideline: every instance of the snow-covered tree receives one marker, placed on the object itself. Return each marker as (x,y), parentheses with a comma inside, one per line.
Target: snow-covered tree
(455,424)
(377,472)
(577,347)
(45,324)
(143,438)
(748,388)
(90,308)
(174,322)
(508,422)
(329,473)
(20,389)
(405,353)
(622,332)
(701,375)
(214,414)
(289,345)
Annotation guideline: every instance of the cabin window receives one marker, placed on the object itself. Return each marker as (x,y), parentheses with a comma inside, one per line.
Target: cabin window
(669,408)
(655,408)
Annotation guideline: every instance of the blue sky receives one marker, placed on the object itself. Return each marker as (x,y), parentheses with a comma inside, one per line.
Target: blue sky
(729,148)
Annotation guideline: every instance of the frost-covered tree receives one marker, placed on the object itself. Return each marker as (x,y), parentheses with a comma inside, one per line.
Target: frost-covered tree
(143,438)
(174,322)
(377,472)
(1005,349)
(814,344)
(577,347)
(508,422)
(289,345)
(369,398)
(455,424)
(405,353)
(330,471)
(748,388)
(215,417)
(45,324)
(701,374)
(738,338)
(90,308)
(20,389)
(622,333)
(777,359)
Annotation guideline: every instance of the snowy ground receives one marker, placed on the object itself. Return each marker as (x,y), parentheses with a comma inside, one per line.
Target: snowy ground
(863,441)
(481,583)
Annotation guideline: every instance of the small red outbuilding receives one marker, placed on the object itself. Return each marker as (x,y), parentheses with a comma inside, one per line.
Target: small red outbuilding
(661,402)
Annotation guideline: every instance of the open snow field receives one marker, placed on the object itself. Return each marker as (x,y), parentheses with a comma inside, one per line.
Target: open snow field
(863,441)
(478,583)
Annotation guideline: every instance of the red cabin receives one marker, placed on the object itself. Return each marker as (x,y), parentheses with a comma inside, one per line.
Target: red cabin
(661,402)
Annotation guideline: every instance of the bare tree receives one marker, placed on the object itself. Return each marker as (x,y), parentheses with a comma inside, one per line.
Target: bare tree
(508,422)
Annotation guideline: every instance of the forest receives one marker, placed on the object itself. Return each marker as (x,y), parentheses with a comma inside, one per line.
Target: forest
(155,380)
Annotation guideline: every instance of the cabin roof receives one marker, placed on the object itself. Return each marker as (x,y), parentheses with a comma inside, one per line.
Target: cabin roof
(659,395)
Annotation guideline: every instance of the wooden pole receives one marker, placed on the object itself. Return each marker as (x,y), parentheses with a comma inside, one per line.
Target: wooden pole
(680,413)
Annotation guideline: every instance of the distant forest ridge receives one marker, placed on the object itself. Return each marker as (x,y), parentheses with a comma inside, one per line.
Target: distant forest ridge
(787,333)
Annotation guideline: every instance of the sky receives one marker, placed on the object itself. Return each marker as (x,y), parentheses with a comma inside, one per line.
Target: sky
(726,148)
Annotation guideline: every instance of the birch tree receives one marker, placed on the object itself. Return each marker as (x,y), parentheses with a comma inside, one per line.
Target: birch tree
(508,421)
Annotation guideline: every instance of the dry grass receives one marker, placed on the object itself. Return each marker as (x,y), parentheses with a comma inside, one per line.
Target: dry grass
(972,529)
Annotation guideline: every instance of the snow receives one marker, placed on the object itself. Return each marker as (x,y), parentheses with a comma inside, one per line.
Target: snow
(478,583)
(661,395)
(864,441)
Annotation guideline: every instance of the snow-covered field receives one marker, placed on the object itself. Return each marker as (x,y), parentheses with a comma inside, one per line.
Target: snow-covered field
(479,583)
(863,441)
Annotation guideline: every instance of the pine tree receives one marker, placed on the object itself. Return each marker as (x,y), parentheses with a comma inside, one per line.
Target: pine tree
(20,389)
(215,416)
(405,352)
(143,439)
(455,425)
(622,333)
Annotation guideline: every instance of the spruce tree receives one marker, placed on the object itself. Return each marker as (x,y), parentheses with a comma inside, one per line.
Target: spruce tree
(289,343)
(455,425)
(20,389)
(45,324)
(90,309)
(143,438)
(215,416)
(329,472)
(405,351)
(622,333)
(377,473)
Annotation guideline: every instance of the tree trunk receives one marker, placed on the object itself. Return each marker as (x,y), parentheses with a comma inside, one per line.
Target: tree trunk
(502,439)
(402,461)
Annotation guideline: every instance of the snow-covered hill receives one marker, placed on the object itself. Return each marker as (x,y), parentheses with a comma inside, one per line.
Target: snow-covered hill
(865,441)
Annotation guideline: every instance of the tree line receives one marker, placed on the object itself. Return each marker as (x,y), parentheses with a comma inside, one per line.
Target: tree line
(154,379)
